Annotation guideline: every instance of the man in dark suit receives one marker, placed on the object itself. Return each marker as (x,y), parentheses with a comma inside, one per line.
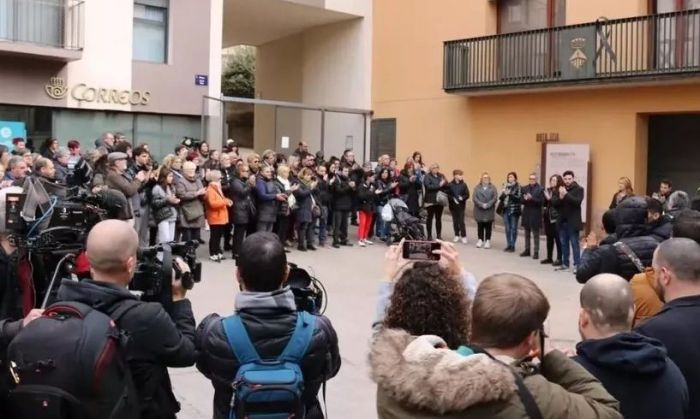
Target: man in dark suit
(567,201)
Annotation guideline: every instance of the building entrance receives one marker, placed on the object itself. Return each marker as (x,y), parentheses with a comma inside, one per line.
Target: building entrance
(674,152)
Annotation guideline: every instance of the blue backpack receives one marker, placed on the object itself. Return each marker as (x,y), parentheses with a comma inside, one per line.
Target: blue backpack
(269,389)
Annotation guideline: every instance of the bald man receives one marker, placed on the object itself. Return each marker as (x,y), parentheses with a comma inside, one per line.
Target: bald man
(157,340)
(676,264)
(633,368)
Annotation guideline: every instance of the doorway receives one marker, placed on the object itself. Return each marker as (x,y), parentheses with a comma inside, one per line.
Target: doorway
(674,152)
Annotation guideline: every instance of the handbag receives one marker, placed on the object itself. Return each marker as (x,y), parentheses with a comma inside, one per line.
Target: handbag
(315,209)
(192,210)
(442,199)
(162,214)
(500,207)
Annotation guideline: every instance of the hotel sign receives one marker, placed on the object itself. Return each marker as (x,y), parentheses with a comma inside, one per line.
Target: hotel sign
(57,89)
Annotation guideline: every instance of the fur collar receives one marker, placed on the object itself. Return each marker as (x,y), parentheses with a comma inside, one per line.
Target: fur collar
(413,371)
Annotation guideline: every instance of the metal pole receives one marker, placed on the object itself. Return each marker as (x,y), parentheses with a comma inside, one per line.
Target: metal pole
(364,137)
(203,121)
(274,139)
(224,131)
(323,131)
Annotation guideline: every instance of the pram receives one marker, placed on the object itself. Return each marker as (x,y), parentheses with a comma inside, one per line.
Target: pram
(402,225)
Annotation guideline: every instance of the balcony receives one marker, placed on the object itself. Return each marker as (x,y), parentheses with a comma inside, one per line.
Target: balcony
(638,49)
(45,29)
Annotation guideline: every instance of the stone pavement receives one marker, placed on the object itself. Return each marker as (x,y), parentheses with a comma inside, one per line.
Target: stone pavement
(351,276)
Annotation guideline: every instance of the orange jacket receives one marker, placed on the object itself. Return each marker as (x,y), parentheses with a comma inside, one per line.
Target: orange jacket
(646,301)
(217,206)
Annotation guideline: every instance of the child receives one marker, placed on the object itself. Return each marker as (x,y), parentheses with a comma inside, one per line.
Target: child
(365,197)
(459,194)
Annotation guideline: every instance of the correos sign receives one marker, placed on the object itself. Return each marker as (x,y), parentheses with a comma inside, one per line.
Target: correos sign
(57,89)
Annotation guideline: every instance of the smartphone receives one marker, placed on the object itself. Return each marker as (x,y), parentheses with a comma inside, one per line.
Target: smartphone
(420,250)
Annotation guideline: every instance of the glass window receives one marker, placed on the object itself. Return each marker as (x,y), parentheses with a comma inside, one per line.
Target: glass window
(522,15)
(150,31)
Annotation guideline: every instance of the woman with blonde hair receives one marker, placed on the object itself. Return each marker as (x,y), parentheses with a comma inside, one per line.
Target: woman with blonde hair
(624,191)
(217,214)
(285,208)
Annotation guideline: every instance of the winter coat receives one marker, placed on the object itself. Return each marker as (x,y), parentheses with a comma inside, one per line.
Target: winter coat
(676,326)
(342,194)
(365,198)
(417,380)
(284,185)
(385,193)
(266,203)
(432,186)
(647,383)
(615,202)
(227,176)
(512,196)
(269,326)
(459,194)
(662,228)
(303,212)
(409,191)
(186,190)
(241,195)
(646,298)
(11,295)
(569,207)
(118,181)
(551,215)
(532,208)
(322,193)
(485,196)
(217,206)
(159,200)
(631,229)
(157,340)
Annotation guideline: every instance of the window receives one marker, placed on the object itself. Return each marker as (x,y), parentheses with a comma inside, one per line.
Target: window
(383,138)
(150,30)
(677,37)
(525,15)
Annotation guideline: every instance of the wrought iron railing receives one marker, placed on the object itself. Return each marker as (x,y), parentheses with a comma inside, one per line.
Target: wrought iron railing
(51,23)
(635,47)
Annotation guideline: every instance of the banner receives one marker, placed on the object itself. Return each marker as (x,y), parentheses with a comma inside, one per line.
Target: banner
(575,157)
(10,130)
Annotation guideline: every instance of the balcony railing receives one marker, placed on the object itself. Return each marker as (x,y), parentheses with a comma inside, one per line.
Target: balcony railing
(631,49)
(45,23)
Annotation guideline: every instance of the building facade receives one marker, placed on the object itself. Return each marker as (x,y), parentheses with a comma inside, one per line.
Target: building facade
(74,69)
(475,84)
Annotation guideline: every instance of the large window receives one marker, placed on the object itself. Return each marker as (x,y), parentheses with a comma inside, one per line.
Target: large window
(524,15)
(151,30)
(678,37)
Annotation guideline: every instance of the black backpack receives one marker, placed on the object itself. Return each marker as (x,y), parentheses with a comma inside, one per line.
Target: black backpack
(70,364)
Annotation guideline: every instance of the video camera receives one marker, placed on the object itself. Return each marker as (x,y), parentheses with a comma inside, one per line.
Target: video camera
(308,291)
(153,277)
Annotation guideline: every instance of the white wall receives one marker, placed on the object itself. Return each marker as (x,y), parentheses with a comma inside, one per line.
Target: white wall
(106,60)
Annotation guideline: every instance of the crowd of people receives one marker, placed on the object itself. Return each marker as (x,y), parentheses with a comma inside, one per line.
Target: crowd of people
(444,343)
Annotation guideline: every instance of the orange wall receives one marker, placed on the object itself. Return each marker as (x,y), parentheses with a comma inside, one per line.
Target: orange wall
(497,133)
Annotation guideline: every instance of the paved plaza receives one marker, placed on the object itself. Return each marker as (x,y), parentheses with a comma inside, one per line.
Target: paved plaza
(351,276)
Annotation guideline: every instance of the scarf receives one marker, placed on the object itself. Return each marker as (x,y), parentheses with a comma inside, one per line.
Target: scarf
(281,298)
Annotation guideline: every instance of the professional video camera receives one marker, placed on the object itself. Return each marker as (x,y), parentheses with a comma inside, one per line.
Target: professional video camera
(153,276)
(308,291)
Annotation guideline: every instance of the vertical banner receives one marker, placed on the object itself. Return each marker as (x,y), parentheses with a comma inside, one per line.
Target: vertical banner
(575,157)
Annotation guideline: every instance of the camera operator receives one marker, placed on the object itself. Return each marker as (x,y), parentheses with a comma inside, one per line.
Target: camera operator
(156,340)
(269,314)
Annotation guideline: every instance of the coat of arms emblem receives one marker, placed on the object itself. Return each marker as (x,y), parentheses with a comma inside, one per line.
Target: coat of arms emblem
(578,58)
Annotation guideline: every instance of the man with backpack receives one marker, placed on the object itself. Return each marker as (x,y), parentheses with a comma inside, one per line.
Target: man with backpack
(99,350)
(267,350)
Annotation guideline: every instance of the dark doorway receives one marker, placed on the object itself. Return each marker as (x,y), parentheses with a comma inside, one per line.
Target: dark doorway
(674,152)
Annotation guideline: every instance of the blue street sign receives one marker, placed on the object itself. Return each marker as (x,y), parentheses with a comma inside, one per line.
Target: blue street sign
(201,80)
(10,130)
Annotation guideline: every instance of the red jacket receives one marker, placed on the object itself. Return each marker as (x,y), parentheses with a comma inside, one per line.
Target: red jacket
(217,205)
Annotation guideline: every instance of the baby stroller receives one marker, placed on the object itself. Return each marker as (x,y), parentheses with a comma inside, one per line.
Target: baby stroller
(402,225)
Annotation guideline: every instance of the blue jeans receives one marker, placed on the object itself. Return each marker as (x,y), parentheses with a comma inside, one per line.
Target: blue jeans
(322,223)
(381,227)
(511,222)
(568,235)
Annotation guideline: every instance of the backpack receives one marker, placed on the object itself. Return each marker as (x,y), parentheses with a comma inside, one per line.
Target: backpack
(70,364)
(270,389)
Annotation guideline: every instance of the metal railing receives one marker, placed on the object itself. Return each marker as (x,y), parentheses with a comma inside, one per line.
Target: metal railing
(636,47)
(51,23)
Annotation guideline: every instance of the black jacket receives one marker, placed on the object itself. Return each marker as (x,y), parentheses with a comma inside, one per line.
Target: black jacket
(637,372)
(432,186)
(269,328)
(322,193)
(366,197)
(10,291)
(631,229)
(227,176)
(242,201)
(385,193)
(459,194)
(677,326)
(569,207)
(662,229)
(408,191)
(156,340)
(304,212)
(342,194)
(532,208)
(267,206)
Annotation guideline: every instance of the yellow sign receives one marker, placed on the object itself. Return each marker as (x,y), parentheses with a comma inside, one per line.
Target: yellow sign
(57,89)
